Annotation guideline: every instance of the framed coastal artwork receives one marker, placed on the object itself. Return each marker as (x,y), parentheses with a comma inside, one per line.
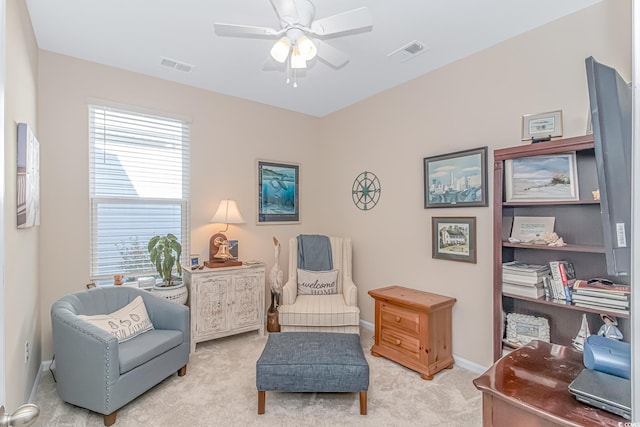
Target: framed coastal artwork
(541,178)
(278,192)
(456,179)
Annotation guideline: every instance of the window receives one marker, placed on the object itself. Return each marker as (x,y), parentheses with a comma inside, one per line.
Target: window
(139,188)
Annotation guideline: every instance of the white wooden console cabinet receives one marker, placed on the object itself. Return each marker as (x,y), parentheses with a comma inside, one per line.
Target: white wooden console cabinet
(225,301)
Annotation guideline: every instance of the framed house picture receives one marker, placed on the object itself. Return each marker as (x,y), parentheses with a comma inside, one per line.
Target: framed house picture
(278,192)
(454,238)
(541,178)
(456,179)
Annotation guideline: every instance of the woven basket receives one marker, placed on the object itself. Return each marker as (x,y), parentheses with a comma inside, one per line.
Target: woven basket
(177,294)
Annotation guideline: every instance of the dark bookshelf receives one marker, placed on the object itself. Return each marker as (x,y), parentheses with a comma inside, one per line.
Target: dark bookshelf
(578,222)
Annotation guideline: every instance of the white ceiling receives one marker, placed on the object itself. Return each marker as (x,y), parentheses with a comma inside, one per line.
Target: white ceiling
(135,34)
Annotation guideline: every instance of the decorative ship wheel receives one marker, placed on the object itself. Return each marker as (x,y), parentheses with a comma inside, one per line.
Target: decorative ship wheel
(366,191)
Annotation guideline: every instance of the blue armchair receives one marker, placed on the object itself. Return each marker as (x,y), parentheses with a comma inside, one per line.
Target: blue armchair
(93,370)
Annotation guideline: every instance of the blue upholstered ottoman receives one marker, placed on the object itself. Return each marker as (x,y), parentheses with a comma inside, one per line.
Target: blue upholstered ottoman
(312,362)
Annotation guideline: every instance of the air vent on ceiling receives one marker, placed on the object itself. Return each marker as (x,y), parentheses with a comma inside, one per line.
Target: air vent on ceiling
(172,63)
(408,51)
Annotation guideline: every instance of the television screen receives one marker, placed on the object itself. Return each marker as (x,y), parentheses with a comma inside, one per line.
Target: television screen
(610,106)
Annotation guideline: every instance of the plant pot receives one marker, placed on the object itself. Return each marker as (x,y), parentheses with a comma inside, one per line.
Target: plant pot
(177,293)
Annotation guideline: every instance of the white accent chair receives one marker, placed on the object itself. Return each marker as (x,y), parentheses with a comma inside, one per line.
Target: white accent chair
(321,313)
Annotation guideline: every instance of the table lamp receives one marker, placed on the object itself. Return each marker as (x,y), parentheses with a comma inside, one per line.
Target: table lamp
(227,213)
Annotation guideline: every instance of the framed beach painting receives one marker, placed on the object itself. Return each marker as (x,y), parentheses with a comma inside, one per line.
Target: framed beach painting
(456,179)
(541,178)
(278,192)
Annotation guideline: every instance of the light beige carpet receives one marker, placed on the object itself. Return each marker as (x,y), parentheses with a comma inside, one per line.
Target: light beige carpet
(220,390)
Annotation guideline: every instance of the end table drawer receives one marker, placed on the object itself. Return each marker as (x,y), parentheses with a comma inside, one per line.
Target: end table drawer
(405,343)
(399,317)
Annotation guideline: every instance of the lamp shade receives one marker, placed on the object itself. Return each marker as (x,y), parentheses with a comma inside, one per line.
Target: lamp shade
(307,48)
(297,60)
(280,50)
(227,213)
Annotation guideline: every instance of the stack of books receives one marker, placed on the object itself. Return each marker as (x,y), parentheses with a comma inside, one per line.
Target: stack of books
(612,298)
(522,279)
(562,279)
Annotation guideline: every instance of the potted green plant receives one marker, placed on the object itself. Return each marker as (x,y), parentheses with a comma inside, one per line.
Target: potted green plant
(164,252)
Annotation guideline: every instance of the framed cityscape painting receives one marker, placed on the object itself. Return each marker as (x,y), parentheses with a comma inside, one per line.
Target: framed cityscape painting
(278,192)
(456,179)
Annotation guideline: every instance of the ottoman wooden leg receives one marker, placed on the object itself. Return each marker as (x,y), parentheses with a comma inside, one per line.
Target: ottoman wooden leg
(261,396)
(363,403)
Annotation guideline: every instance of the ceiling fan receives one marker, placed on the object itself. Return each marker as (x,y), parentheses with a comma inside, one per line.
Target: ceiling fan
(300,38)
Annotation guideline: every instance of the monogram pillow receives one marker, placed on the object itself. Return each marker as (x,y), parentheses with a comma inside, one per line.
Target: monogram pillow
(317,282)
(126,323)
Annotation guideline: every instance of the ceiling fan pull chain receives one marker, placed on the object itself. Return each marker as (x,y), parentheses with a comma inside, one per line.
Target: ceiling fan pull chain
(288,71)
(295,78)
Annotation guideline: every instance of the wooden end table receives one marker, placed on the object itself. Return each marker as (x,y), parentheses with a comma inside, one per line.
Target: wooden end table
(413,328)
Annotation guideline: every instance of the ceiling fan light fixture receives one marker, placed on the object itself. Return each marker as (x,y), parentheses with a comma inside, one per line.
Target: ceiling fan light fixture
(307,48)
(297,60)
(280,50)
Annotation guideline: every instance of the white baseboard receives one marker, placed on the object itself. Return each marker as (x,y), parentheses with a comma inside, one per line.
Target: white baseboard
(463,363)
(44,366)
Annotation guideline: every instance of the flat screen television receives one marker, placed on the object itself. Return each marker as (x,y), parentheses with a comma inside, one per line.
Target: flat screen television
(610,104)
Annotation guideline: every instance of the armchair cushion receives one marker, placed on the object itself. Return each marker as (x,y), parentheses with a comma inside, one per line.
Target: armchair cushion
(317,282)
(145,347)
(319,310)
(126,323)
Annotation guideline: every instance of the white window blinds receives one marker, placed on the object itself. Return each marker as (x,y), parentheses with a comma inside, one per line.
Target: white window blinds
(139,188)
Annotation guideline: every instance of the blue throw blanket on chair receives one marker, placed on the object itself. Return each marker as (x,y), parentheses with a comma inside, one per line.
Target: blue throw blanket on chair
(314,252)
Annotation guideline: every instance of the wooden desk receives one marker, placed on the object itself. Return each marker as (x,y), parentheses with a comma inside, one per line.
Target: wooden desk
(530,387)
(413,328)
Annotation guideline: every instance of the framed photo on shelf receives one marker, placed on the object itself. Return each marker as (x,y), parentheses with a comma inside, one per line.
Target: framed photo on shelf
(541,178)
(528,228)
(454,238)
(456,179)
(278,192)
(522,328)
(542,126)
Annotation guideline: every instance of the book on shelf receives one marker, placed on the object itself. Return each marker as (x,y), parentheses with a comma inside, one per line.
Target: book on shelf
(524,269)
(608,295)
(524,291)
(598,286)
(521,280)
(602,308)
(563,275)
(554,292)
(608,302)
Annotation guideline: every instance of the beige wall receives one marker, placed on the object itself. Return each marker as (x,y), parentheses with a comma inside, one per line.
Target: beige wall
(475,102)
(22,302)
(227,136)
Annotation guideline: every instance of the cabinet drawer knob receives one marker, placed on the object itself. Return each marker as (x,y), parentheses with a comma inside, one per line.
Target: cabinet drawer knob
(397,318)
(398,342)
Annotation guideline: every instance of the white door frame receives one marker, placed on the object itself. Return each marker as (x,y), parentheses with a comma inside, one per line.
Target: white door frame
(635,213)
(3,35)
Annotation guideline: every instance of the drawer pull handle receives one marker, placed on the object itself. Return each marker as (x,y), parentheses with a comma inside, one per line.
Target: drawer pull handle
(397,318)
(397,342)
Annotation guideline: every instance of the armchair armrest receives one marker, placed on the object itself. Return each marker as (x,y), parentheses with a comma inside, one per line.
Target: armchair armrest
(165,314)
(290,291)
(350,292)
(86,357)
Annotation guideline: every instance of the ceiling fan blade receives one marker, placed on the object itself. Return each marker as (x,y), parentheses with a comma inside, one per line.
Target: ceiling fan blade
(330,54)
(347,21)
(286,10)
(234,30)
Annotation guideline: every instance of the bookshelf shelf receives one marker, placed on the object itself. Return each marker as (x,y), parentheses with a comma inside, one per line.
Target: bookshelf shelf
(567,248)
(576,221)
(563,304)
